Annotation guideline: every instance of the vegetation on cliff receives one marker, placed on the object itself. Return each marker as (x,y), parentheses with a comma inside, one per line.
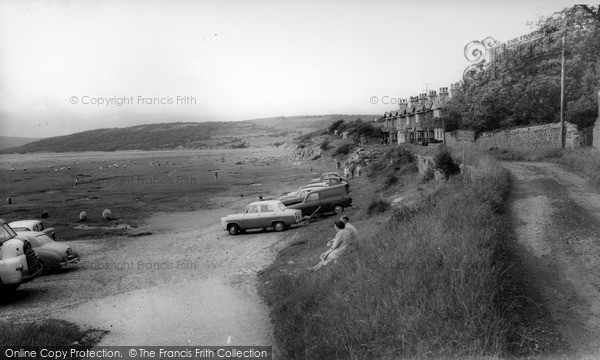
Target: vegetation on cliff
(523,85)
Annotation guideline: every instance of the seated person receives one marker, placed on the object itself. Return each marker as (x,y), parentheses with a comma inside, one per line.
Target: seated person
(339,246)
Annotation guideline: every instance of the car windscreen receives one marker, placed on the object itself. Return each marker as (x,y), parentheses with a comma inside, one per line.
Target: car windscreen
(281,206)
(6,233)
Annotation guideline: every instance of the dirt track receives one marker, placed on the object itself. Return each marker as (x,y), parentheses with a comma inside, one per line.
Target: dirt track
(557,220)
(189,283)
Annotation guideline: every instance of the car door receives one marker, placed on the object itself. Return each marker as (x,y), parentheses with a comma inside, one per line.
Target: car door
(267,214)
(251,217)
(313,201)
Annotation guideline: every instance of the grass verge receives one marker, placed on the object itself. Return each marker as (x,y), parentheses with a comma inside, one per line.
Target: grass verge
(50,332)
(584,161)
(428,283)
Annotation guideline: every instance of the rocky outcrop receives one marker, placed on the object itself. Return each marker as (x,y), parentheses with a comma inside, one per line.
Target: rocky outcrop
(310,149)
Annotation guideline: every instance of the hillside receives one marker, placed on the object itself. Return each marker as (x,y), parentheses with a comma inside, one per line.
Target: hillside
(168,136)
(11,141)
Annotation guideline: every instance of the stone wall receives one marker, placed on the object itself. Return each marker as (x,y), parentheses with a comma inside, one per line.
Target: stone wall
(532,137)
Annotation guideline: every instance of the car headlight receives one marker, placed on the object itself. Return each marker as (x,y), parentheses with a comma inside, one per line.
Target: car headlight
(69,251)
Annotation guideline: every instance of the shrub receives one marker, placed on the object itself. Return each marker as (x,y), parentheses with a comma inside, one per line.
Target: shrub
(335,125)
(446,164)
(377,206)
(324,145)
(389,180)
(343,149)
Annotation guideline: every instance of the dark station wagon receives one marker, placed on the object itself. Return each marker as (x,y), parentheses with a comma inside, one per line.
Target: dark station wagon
(327,199)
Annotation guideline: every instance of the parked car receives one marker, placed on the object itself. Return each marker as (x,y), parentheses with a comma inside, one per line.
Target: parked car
(32,225)
(52,254)
(326,176)
(427,142)
(18,261)
(296,198)
(298,195)
(329,199)
(262,214)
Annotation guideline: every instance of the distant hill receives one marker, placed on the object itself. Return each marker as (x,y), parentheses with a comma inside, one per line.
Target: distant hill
(168,136)
(11,141)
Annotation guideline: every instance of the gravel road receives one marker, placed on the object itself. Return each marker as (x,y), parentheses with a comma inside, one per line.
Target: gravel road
(557,218)
(188,283)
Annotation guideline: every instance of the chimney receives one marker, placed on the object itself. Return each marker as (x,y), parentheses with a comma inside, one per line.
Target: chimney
(432,95)
(402,105)
(422,98)
(443,93)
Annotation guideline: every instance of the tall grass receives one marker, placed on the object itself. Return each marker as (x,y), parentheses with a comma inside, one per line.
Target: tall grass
(584,161)
(49,332)
(430,284)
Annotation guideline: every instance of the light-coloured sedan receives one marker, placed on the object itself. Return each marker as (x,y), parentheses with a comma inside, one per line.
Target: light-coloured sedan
(262,215)
(32,225)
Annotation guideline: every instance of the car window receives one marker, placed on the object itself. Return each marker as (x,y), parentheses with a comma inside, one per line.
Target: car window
(252,209)
(20,229)
(266,209)
(41,227)
(6,233)
(312,197)
(36,227)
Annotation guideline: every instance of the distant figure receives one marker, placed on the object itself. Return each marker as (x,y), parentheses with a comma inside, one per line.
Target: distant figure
(346,171)
(76,182)
(260,198)
(337,167)
(358,170)
(311,169)
(339,246)
(45,214)
(9,200)
(216,175)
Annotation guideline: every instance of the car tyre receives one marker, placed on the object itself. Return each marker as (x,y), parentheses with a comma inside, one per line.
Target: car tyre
(233,229)
(338,209)
(279,226)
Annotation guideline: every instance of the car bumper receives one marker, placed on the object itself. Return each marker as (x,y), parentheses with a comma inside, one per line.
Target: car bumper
(71,259)
(33,274)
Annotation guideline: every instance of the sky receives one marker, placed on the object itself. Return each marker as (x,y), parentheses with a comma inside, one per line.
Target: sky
(70,66)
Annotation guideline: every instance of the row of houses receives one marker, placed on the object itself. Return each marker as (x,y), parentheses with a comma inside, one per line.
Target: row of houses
(417,119)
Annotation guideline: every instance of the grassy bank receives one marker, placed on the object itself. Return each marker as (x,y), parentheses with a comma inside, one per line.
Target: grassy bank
(584,161)
(50,332)
(429,280)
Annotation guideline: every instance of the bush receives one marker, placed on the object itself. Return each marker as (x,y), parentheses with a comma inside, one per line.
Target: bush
(335,125)
(324,145)
(377,206)
(446,164)
(389,180)
(342,150)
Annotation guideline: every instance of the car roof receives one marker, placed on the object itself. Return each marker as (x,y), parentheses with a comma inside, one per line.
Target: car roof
(266,202)
(320,184)
(328,188)
(24,223)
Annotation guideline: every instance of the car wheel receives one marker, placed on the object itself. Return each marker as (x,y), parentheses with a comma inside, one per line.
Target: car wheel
(279,226)
(338,209)
(233,229)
